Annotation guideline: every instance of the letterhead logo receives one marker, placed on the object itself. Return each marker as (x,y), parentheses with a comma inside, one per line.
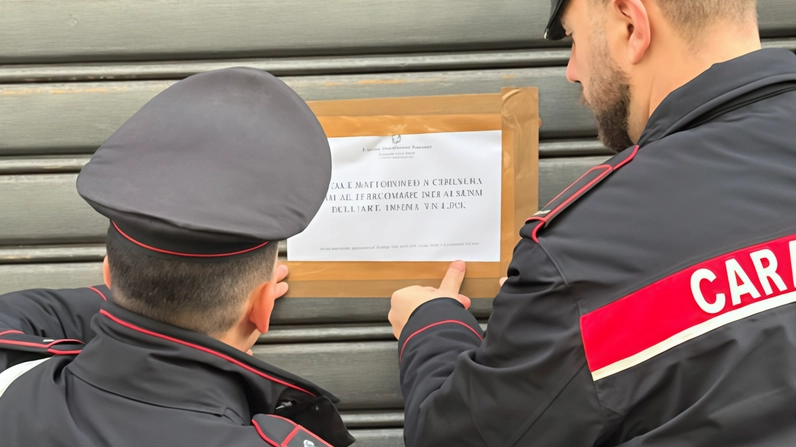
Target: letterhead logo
(396,139)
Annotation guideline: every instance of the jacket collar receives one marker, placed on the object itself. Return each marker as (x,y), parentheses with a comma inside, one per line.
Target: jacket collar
(718,85)
(156,363)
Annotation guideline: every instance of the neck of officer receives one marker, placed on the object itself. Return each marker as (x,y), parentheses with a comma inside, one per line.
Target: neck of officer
(242,337)
(674,61)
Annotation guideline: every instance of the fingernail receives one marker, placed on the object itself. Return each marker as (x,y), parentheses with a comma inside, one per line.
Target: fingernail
(459,265)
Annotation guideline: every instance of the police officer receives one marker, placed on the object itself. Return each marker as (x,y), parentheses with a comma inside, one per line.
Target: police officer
(651,304)
(198,186)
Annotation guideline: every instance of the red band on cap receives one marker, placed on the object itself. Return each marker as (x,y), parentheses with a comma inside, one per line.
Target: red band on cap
(187,255)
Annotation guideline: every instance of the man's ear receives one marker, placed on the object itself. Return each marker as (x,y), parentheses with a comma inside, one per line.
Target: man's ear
(262,299)
(106,272)
(263,296)
(632,24)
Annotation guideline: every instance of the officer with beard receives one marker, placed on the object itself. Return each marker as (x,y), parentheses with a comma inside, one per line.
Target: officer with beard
(651,303)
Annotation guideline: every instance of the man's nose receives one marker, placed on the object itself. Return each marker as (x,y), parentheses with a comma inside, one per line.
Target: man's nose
(572,73)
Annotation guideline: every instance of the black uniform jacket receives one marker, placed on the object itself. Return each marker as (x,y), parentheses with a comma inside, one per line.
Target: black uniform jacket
(651,304)
(76,370)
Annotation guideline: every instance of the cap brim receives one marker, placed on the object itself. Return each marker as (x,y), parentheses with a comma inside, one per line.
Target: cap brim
(554,30)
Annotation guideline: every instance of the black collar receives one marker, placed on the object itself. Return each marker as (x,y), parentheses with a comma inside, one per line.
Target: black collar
(156,363)
(716,87)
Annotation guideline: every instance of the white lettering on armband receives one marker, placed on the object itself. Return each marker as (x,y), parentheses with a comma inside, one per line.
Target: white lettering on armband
(696,279)
(740,284)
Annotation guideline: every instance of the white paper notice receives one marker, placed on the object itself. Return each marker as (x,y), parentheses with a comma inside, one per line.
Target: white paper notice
(424,197)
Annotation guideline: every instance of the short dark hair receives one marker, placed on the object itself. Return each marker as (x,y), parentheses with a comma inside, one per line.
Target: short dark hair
(691,17)
(204,297)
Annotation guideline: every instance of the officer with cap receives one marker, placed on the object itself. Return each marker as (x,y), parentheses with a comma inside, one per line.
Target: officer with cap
(652,302)
(199,186)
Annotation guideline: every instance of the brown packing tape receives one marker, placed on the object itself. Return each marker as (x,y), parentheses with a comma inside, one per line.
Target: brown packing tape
(514,111)
(363,126)
(412,105)
(508,237)
(521,122)
(472,287)
(387,271)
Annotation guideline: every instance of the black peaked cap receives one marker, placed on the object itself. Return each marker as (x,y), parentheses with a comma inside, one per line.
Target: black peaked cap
(554,30)
(216,165)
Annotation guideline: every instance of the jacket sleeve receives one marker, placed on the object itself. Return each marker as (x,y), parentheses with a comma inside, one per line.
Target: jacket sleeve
(43,322)
(526,383)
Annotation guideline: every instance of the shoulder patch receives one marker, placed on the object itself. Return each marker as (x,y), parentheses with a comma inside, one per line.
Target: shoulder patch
(277,431)
(584,184)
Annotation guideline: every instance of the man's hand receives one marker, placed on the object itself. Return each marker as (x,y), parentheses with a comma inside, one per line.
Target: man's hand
(280,286)
(405,301)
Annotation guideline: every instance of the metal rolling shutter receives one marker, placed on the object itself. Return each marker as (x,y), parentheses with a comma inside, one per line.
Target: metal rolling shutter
(71,72)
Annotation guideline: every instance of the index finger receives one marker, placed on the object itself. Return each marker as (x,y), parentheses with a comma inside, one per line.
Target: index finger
(452,281)
(280,272)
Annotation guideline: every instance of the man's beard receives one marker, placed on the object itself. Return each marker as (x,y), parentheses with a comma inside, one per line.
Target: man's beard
(610,92)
